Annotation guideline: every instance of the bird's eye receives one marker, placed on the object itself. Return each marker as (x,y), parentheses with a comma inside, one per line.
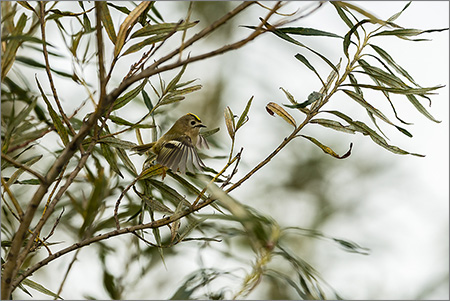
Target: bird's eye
(192,122)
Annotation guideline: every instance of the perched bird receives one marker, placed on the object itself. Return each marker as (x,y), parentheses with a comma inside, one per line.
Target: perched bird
(176,149)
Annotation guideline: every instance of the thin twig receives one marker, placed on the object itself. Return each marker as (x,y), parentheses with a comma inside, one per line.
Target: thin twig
(47,67)
(67,274)
(41,178)
(13,199)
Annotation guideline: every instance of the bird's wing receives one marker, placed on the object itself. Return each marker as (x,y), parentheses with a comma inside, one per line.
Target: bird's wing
(179,153)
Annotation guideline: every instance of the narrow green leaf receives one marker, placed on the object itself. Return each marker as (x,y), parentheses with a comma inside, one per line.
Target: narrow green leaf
(355,82)
(328,150)
(244,118)
(396,15)
(147,101)
(421,108)
(164,29)
(272,108)
(388,59)
(289,96)
(175,80)
(30,62)
(335,125)
(122,9)
(121,101)
(170,99)
(291,40)
(155,205)
(9,53)
(210,132)
(406,91)
(26,38)
(363,12)
(407,32)
(117,143)
(303,59)
(110,157)
(28,162)
(342,14)
(352,247)
(128,23)
(169,193)
(365,130)
(126,161)
(150,41)
(121,121)
(190,227)
(304,31)
(347,38)
(60,128)
(229,122)
(152,171)
(40,288)
(26,5)
(359,99)
(314,96)
(107,21)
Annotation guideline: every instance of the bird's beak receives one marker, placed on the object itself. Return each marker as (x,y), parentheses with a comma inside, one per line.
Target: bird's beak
(200,125)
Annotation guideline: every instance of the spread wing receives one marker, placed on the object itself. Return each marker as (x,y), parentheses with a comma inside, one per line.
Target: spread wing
(180,153)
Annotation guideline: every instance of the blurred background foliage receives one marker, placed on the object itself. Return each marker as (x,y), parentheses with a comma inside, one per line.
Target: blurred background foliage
(271,239)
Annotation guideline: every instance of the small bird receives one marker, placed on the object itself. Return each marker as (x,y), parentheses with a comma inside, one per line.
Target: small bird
(176,149)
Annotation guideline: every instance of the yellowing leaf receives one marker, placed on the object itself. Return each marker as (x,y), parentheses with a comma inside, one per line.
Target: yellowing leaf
(272,108)
(129,21)
(229,121)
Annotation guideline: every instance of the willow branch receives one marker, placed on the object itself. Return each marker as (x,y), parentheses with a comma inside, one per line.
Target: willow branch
(24,167)
(47,67)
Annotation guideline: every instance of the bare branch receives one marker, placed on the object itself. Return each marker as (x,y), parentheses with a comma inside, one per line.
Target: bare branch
(24,167)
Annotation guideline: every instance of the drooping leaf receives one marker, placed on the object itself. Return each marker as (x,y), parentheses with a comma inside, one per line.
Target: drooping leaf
(107,21)
(406,32)
(40,288)
(147,101)
(413,99)
(304,31)
(388,59)
(328,150)
(314,96)
(128,23)
(348,36)
(126,161)
(405,91)
(286,37)
(363,12)
(155,205)
(110,157)
(272,108)
(335,125)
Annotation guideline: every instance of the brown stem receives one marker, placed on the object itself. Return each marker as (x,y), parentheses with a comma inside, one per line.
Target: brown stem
(47,67)
(24,167)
